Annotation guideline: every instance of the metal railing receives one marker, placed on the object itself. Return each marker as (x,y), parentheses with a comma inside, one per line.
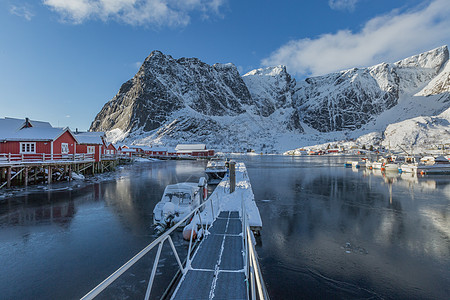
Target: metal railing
(256,288)
(158,242)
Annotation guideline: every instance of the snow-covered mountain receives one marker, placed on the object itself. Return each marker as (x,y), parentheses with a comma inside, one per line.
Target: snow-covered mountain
(349,99)
(184,100)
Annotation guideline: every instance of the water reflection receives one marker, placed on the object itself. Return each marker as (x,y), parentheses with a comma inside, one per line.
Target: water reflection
(60,243)
(352,234)
(328,232)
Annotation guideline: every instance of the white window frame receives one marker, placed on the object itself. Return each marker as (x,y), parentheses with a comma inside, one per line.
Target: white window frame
(65,148)
(90,150)
(28,147)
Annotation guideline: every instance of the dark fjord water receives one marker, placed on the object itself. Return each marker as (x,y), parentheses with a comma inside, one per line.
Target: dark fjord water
(328,232)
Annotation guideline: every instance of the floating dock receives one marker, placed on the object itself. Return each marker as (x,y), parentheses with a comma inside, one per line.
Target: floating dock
(217,269)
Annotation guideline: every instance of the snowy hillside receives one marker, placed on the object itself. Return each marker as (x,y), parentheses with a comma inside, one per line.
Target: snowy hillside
(419,132)
(349,99)
(171,101)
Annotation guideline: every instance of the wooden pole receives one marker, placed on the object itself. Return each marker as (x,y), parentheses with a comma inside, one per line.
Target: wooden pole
(232,176)
(8,178)
(49,174)
(26,176)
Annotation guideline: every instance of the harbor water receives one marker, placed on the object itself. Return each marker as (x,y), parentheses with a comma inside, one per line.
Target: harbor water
(329,232)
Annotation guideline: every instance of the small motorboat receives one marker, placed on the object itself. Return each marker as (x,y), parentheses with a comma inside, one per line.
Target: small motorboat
(215,170)
(356,163)
(177,202)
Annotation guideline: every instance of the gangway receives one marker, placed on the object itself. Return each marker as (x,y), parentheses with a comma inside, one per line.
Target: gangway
(224,265)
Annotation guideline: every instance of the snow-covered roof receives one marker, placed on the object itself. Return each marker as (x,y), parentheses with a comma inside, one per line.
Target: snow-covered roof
(35,134)
(160,149)
(9,126)
(190,147)
(90,138)
(143,148)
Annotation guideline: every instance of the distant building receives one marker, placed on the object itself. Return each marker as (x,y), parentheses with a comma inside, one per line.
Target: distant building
(193,150)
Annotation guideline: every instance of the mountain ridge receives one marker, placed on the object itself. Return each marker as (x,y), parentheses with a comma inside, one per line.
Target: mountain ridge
(172,101)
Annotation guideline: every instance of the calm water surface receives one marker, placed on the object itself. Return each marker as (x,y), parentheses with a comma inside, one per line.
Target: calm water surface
(328,232)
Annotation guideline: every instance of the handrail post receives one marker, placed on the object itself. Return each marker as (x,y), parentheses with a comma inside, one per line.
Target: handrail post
(175,253)
(158,241)
(155,266)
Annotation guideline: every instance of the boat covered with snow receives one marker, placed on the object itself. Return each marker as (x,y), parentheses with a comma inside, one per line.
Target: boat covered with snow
(215,170)
(177,202)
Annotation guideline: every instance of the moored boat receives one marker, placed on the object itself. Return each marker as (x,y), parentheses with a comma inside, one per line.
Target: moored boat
(428,165)
(177,201)
(433,165)
(215,170)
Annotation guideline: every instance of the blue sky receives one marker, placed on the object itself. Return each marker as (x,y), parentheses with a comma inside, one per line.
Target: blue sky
(62,60)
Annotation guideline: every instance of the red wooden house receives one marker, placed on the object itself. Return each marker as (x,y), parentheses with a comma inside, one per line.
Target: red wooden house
(110,149)
(194,150)
(26,139)
(91,144)
(158,151)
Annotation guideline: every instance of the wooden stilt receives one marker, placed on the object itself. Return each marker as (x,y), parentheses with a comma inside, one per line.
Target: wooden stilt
(26,177)
(49,174)
(8,177)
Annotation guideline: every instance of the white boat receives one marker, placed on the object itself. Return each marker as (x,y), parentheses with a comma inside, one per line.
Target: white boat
(358,164)
(428,165)
(390,167)
(433,165)
(377,165)
(215,170)
(177,201)
(409,168)
(387,164)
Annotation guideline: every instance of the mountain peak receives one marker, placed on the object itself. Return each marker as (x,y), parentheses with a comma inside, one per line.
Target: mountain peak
(268,71)
(433,59)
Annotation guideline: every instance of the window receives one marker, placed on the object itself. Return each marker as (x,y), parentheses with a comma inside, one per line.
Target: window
(27,147)
(90,149)
(64,148)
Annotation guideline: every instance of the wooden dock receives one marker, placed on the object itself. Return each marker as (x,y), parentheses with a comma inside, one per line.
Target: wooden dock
(25,172)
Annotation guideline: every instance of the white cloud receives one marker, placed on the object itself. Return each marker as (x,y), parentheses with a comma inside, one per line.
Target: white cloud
(134,12)
(342,4)
(23,11)
(384,38)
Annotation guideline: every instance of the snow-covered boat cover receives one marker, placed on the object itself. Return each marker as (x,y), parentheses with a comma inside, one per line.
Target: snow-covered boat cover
(222,200)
